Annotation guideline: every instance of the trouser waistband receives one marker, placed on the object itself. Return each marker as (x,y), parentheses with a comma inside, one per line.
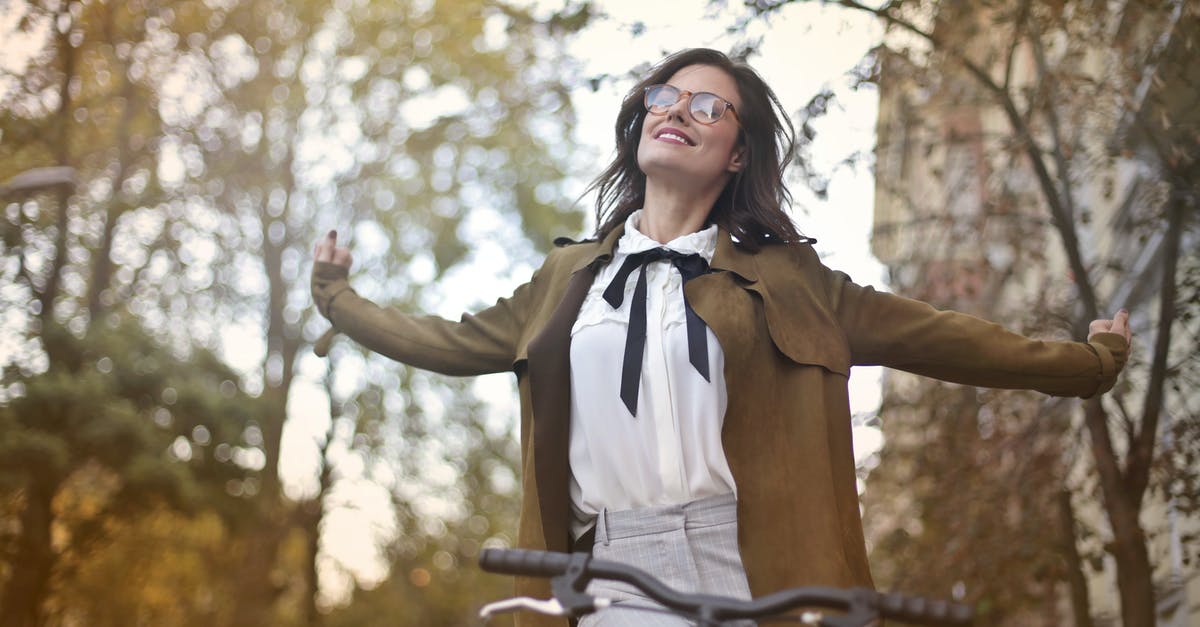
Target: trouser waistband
(705,512)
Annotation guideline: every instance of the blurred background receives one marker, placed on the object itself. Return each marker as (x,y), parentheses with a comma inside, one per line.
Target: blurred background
(173,453)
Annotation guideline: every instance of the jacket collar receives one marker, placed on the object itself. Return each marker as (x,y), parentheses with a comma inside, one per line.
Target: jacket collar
(728,256)
(602,252)
(731,257)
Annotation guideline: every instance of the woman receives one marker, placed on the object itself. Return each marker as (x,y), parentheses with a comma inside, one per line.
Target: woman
(702,432)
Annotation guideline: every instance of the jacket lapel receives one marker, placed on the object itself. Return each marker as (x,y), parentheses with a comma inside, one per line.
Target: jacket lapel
(550,385)
(550,389)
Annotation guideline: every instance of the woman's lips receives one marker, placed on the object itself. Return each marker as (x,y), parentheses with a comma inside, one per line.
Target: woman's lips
(673,136)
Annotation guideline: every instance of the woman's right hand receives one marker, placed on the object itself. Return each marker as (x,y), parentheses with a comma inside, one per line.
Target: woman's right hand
(323,282)
(327,251)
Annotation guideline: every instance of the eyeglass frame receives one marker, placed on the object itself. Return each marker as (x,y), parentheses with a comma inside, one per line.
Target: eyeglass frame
(690,95)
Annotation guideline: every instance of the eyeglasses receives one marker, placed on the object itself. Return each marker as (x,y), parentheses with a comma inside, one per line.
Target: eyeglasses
(704,107)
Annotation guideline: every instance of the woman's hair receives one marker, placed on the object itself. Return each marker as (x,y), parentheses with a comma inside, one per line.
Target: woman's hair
(751,205)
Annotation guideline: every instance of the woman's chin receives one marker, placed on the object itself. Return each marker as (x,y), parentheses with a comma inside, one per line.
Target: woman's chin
(675,175)
(675,169)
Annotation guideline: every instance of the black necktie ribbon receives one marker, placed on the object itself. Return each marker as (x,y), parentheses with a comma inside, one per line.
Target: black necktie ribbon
(690,266)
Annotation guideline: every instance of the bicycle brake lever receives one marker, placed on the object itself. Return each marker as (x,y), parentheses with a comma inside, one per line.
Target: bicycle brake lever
(550,607)
(568,588)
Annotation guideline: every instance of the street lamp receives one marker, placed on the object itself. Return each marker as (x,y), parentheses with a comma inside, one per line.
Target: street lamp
(35,180)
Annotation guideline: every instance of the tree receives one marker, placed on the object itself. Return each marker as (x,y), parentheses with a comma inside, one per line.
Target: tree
(1045,105)
(214,142)
(82,102)
(97,428)
(317,131)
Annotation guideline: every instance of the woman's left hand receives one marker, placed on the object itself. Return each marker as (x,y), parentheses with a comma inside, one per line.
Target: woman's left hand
(1119,325)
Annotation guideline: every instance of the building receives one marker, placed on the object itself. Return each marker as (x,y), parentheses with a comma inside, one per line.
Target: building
(1109,93)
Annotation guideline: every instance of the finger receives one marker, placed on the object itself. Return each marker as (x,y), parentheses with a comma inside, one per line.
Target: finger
(324,248)
(1098,326)
(1121,324)
(342,257)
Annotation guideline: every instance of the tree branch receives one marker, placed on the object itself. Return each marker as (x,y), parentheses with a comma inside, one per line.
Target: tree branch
(1141,451)
(1126,418)
(1058,212)
(1018,27)
(1103,453)
(1060,159)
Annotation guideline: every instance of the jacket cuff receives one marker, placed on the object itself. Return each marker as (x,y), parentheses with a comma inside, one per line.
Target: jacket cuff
(1112,351)
(329,280)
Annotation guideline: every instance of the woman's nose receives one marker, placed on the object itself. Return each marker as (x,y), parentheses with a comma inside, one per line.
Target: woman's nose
(679,110)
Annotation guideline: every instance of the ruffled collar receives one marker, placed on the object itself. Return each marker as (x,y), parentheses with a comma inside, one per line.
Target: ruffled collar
(702,242)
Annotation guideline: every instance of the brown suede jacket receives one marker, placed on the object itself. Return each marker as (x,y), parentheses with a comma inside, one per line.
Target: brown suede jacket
(790,329)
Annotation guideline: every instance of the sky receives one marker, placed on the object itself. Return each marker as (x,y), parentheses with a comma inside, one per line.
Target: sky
(804,48)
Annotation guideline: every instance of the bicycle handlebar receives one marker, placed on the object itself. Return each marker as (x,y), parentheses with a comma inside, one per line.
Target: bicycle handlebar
(524,562)
(882,605)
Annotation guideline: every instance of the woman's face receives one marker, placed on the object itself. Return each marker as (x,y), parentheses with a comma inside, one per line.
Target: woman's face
(676,149)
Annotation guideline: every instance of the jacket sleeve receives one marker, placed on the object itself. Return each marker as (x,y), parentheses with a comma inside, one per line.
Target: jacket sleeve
(477,344)
(889,330)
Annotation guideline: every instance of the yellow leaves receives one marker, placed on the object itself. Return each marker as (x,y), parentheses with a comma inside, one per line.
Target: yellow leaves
(83,498)
(162,568)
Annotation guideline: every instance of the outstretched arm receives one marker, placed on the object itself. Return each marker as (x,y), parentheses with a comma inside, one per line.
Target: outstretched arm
(889,330)
(476,344)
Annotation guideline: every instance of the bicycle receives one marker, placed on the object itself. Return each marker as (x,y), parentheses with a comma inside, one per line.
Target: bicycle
(570,574)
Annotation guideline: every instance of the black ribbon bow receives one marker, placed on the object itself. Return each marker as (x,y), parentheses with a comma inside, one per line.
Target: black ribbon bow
(690,266)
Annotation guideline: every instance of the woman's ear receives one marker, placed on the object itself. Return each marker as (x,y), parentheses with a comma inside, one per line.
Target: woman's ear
(737,159)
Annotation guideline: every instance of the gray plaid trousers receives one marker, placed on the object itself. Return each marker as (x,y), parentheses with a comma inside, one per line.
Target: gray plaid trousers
(691,547)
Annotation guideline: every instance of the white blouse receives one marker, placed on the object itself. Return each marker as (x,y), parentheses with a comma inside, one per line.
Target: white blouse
(671,451)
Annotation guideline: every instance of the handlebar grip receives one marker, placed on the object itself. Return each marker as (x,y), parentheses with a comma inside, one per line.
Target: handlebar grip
(524,562)
(925,611)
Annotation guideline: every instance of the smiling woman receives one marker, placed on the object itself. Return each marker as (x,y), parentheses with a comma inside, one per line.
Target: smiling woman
(683,152)
(694,421)
(745,168)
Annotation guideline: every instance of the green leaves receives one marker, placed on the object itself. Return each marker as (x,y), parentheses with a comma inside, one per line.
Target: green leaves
(30,455)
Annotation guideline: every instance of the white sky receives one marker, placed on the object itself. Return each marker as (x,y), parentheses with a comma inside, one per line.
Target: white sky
(806,47)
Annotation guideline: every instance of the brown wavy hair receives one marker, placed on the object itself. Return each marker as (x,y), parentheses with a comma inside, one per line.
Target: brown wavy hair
(751,207)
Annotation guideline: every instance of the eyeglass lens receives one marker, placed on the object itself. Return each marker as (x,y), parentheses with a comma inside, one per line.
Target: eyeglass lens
(704,107)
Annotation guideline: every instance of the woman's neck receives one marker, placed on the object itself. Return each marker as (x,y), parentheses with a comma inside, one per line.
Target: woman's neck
(671,211)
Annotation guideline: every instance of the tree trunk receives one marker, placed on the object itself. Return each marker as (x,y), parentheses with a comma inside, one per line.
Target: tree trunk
(25,591)
(258,580)
(27,586)
(1134,574)
(1080,604)
(102,266)
(63,155)
(259,590)
(310,512)
(313,512)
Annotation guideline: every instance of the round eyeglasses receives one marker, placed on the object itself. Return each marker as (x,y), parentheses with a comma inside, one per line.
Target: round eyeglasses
(704,107)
